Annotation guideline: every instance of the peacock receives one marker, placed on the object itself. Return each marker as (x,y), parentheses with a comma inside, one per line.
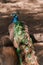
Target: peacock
(23,41)
(19,35)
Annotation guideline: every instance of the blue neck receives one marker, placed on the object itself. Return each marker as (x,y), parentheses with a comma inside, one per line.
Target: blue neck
(15,19)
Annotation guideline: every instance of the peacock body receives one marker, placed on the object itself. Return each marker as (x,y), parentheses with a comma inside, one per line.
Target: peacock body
(25,50)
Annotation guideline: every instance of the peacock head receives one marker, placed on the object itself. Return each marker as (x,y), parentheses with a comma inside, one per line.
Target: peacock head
(15,18)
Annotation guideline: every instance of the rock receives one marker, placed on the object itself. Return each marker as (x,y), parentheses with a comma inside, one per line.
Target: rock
(8,56)
(1,0)
(39,52)
(28,6)
(39,37)
(12,1)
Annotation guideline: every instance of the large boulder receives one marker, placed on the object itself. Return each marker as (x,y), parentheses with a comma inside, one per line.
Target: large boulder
(8,56)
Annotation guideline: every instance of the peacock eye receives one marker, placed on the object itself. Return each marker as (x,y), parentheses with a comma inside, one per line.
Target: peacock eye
(29,55)
(27,48)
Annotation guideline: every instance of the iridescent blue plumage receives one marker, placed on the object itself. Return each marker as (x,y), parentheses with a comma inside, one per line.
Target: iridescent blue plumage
(15,19)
